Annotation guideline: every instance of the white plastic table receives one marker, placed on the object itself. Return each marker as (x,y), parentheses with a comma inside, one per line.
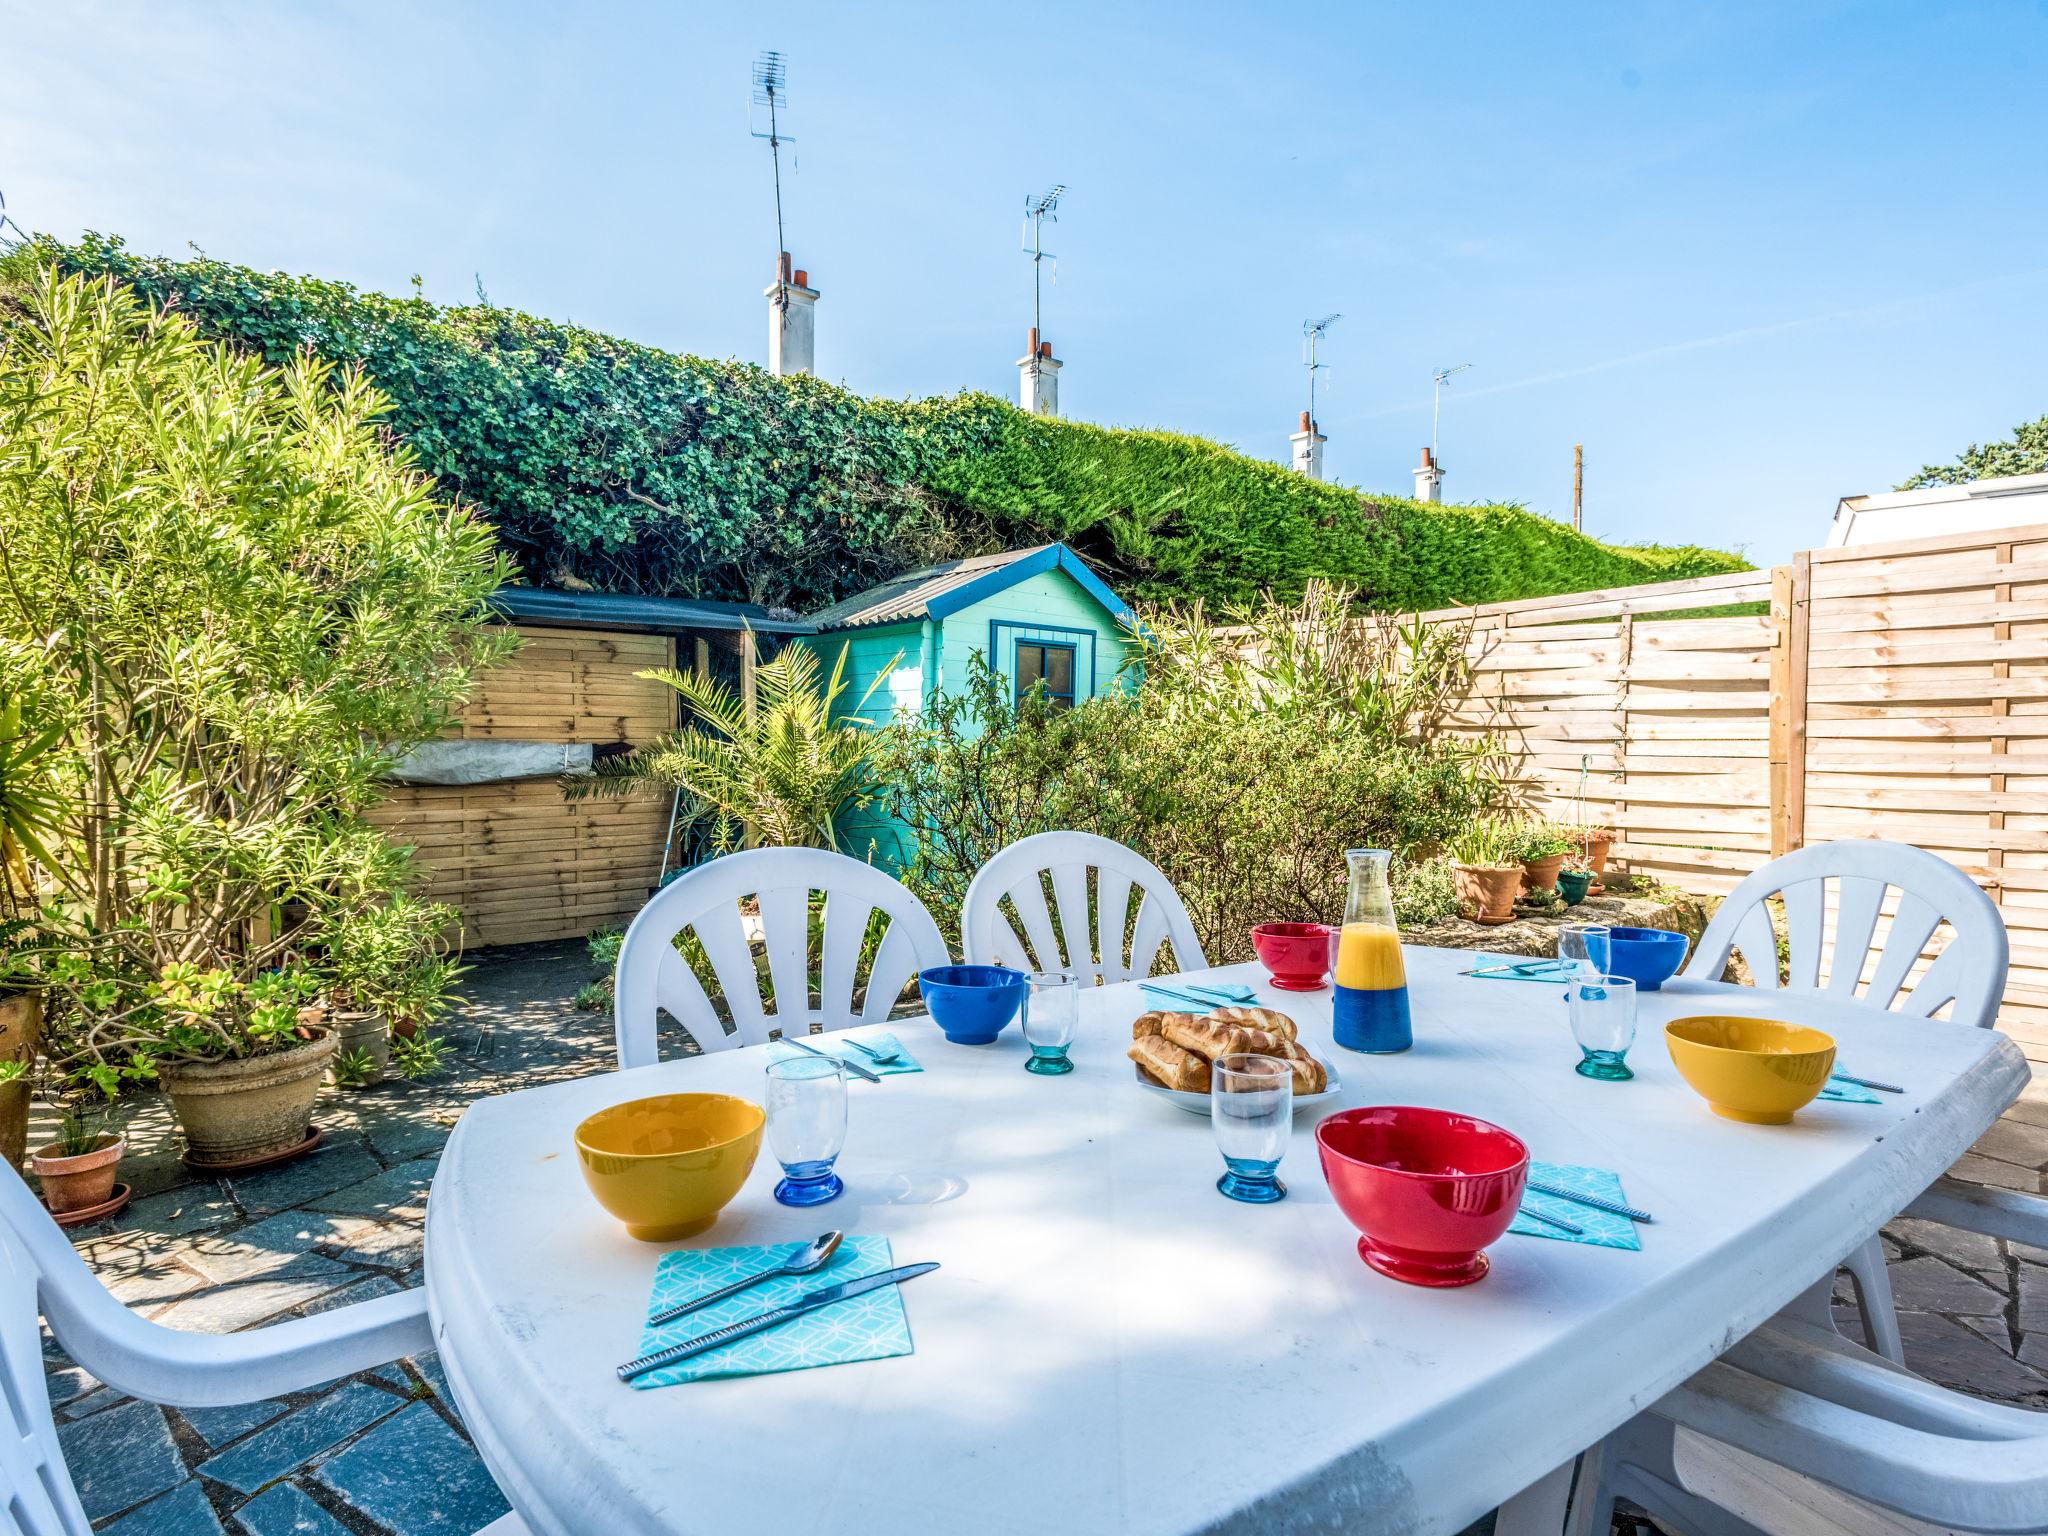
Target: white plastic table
(1112,1346)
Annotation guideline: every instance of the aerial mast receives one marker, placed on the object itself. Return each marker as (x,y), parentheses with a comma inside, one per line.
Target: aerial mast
(1442,377)
(1312,333)
(771,91)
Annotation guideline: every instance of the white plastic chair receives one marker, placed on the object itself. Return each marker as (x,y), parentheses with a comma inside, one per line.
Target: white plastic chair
(41,1272)
(1969,973)
(1796,1431)
(988,936)
(652,976)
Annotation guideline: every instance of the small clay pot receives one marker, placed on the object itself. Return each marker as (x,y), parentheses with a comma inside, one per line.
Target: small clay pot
(1598,841)
(1572,885)
(74,1183)
(1488,891)
(14,1121)
(1541,874)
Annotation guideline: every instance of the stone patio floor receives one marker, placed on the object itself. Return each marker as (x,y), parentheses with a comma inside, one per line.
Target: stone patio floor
(383,1453)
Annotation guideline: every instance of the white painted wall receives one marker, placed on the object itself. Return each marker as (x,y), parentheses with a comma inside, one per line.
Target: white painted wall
(2012,501)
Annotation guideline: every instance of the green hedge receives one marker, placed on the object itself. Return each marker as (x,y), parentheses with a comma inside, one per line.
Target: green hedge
(641,470)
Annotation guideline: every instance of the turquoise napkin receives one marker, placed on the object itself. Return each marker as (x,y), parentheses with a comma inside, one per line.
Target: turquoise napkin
(1602,1229)
(833,1044)
(870,1327)
(1848,1093)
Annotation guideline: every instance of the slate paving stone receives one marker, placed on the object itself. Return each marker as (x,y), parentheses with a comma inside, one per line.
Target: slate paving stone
(415,1474)
(383,1244)
(2015,1141)
(149,1284)
(286,1511)
(219,1426)
(1972,1250)
(67,1383)
(1974,1169)
(92,1402)
(1945,1351)
(429,1367)
(121,1457)
(400,1194)
(1928,1285)
(183,1511)
(279,1245)
(176,1212)
(2033,1308)
(400,1139)
(331,1166)
(348,1296)
(271,1453)
(232,1307)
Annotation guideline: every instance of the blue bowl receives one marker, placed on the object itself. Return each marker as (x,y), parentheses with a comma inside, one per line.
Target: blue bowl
(971,1003)
(1647,956)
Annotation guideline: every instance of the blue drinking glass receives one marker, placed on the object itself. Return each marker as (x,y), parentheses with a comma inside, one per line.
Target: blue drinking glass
(1251,1109)
(807,1127)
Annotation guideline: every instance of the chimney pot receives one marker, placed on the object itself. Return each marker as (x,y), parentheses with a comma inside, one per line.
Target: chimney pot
(782,267)
(1031,341)
(1426,460)
(803,278)
(1304,421)
(1045,349)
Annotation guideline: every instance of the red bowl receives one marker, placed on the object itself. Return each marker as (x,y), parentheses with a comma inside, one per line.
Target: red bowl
(1427,1187)
(1298,955)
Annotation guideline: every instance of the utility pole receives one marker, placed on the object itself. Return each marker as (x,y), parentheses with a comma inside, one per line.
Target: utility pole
(1578,487)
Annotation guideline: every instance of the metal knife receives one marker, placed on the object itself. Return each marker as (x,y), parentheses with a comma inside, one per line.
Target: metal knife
(775,1317)
(851,1066)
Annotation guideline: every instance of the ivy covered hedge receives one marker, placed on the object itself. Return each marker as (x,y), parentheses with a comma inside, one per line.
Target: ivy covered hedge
(635,469)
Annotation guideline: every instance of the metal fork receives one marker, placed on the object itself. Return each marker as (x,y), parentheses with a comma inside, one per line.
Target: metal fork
(851,1066)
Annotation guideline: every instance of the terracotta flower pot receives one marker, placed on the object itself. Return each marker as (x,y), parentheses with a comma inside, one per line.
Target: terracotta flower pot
(1488,891)
(21,1025)
(367,1033)
(232,1111)
(73,1183)
(1541,874)
(14,1121)
(1598,841)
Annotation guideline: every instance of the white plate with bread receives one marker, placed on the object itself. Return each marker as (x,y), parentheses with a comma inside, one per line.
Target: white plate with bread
(1174,1052)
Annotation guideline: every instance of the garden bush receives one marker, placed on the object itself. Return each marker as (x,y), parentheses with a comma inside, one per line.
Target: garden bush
(640,470)
(234,606)
(1243,768)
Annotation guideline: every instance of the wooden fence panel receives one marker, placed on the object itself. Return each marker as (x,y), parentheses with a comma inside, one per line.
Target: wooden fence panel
(516,859)
(1896,691)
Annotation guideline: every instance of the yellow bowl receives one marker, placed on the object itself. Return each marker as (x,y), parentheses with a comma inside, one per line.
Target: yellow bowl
(666,1166)
(1754,1070)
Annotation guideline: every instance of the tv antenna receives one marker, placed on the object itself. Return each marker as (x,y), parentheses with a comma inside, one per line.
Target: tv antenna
(1442,377)
(1312,332)
(771,90)
(1038,212)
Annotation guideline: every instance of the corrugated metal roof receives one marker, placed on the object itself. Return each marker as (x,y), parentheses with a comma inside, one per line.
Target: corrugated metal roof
(620,610)
(909,597)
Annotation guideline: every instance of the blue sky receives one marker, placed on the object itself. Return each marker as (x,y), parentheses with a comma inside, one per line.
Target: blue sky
(1754,257)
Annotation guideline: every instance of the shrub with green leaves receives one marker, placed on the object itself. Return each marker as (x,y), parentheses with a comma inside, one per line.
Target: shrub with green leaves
(642,470)
(242,605)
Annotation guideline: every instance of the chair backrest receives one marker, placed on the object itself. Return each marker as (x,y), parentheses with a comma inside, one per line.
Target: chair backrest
(653,975)
(36,1494)
(1091,939)
(1969,971)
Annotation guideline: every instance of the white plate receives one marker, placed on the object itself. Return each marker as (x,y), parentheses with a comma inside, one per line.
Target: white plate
(1198,1103)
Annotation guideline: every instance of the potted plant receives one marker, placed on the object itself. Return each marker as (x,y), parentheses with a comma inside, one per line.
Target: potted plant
(388,973)
(14,1091)
(241,1060)
(1574,880)
(1487,872)
(30,812)
(77,1170)
(1594,842)
(1540,847)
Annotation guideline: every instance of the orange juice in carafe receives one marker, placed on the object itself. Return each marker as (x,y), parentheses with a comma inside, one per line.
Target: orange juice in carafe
(1370,1008)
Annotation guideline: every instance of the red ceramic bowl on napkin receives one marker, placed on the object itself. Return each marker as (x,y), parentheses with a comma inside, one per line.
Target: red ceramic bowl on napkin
(1427,1187)
(1297,954)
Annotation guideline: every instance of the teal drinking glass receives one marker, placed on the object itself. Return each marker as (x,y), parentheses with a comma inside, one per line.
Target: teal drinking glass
(1603,1015)
(1052,1013)
(1251,1109)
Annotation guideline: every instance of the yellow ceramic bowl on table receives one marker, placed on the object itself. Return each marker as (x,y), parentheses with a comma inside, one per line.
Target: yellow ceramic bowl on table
(1754,1070)
(666,1166)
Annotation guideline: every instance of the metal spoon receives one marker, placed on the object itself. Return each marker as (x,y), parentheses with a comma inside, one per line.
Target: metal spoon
(807,1260)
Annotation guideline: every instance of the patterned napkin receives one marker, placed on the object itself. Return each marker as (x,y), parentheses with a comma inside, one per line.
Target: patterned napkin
(1844,1092)
(870,1327)
(1602,1230)
(832,1044)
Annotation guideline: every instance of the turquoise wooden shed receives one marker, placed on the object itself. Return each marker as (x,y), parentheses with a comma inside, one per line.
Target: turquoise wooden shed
(1033,614)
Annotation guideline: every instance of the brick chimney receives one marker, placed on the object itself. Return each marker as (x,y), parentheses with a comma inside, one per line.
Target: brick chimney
(1038,377)
(1429,479)
(1308,449)
(792,321)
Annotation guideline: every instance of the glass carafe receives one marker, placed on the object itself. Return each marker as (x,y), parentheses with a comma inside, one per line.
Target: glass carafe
(1371,1005)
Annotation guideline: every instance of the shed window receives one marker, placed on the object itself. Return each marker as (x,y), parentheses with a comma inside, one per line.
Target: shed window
(1052,665)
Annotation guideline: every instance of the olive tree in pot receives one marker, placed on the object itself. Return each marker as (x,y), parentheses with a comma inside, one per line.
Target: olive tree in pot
(245,603)
(29,813)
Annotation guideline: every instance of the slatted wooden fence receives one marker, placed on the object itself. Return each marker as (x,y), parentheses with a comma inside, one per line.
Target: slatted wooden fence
(517,860)
(1896,691)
